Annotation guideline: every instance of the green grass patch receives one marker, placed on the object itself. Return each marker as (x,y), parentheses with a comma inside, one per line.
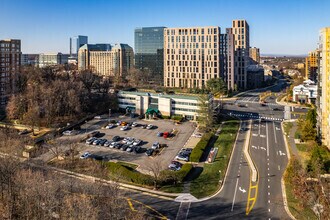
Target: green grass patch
(297,135)
(287,127)
(178,188)
(208,181)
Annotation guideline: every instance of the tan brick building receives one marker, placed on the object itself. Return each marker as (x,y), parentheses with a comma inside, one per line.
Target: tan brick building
(191,56)
(255,54)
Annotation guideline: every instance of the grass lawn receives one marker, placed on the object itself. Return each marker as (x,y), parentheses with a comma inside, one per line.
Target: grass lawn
(178,188)
(287,127)
(208,181)
(304,152)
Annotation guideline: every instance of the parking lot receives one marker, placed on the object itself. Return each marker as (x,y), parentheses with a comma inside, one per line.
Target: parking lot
(147,136)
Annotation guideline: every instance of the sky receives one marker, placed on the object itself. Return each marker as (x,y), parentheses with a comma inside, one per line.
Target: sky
(279,27)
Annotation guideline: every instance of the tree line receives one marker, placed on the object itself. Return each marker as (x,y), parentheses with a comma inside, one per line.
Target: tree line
(53,95)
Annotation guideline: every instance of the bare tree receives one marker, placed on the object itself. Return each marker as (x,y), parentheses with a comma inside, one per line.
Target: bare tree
(155,167)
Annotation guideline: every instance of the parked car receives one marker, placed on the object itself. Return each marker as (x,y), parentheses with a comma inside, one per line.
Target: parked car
(102,142)
(150,126)
(90,140)
(130,148)
(109,126)
(116,138)
(160,134)
(276,109)
(130,141)
(96,142)
(166,134)
(98,117)
(149,152)
(155,145)
(118,145)
(85,155)
(137,149)
(118,123)
(124,128)
(107,143)
(175,165)
(137,142)
(182,156)
(197,135)
(25,131)
(124,147)
(144,126)
(68,132)
(135,124)
(186,150)
(113,144)
(123,123)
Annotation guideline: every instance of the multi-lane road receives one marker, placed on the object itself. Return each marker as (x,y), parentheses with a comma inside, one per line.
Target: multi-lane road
(242,195)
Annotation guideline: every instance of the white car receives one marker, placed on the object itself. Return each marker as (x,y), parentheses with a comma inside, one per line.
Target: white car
(68,132)
(137,142)
(85,155)
(134,124)
(98,117)
(107,143)
(197,135)
(150,126)
(124,128)
(109,126)
(155,146)
(90,140)
(182,156)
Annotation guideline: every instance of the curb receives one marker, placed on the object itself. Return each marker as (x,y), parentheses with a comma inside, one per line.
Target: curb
(285,201)
(229,163)
(248,156)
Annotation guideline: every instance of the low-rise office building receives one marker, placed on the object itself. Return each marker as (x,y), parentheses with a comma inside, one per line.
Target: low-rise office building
(255,76)
(305,93)
(51,59)
(167,105)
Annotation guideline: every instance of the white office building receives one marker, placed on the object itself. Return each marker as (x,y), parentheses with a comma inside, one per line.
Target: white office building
(305,93)
(168,105)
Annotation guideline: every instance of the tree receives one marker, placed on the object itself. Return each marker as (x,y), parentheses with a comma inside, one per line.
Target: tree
(217,86)
(312,116)
(155,167)
(205,113)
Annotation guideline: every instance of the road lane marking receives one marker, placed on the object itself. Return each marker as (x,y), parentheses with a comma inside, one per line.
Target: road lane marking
(232,206)
(183,211)
(158,214)
(267,139)
(253,199)
(274,133)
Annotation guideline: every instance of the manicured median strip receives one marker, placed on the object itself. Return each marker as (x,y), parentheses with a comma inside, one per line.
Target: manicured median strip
(208,181)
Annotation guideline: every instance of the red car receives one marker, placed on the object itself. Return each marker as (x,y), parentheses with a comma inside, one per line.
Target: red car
(166,134)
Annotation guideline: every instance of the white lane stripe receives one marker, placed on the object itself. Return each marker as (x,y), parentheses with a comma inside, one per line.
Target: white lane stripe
(232,206)
(275,133)
(267,139)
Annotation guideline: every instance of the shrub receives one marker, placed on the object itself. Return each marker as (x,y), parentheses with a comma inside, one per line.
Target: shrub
(177,118)
(198,151)
(170,177)
(166,117)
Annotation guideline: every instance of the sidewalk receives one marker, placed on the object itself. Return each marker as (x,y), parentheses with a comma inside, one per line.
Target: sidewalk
(291,141)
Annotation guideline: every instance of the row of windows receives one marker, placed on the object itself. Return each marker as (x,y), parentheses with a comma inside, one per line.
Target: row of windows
(191,31)
(194,45)
(184,109)
(125,103)
(184,103)
(127,98)
(192,70)
(194,39)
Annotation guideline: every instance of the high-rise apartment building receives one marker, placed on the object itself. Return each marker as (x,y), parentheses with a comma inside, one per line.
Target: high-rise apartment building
(241,32)
(191,56)
(311,65)
(149,49)
(76,43)
(227,59)
(119,60)
(255,54)
(324,85)
(10,60)
(84,54)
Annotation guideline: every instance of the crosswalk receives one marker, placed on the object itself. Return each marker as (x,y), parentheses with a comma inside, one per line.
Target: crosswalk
(254,102)
(255,117)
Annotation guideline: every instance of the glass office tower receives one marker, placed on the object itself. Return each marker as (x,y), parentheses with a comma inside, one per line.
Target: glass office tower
(149,48)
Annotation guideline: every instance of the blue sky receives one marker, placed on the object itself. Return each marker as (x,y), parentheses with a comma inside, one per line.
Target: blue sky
(276,26)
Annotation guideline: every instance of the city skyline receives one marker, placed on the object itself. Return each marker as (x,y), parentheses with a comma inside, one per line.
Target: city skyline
(46,26)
